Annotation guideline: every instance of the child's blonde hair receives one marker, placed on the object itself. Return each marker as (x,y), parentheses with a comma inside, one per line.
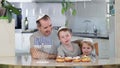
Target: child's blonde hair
(88,41)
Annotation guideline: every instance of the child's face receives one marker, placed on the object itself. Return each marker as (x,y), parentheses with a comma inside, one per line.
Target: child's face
(65,37)
(86,49)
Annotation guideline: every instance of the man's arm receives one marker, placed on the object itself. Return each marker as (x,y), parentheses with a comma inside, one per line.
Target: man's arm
(36,53)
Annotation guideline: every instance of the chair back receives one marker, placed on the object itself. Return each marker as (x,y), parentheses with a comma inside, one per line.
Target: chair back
(96,48)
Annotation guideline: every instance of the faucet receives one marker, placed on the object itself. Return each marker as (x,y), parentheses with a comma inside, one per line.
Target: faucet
(95,30)
(87,27)
(86,30)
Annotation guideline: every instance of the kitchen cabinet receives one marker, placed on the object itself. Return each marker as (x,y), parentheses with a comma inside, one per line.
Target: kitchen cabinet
(22,42)
(103,45)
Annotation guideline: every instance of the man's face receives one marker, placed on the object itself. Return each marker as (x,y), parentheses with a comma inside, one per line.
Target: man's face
(46,27)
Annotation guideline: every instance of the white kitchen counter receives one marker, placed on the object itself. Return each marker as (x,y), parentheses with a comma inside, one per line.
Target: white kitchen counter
(27,61)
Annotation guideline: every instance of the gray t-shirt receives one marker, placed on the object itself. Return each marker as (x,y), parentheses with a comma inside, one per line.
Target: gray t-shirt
(62,51)
(38,39)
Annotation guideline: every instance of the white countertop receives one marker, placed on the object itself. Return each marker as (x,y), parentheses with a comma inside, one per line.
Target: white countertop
(20,60)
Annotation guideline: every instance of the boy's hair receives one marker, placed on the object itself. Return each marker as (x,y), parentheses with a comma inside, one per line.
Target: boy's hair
(63,29)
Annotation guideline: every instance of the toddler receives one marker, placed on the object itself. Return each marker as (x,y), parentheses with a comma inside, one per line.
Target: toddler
(88,48)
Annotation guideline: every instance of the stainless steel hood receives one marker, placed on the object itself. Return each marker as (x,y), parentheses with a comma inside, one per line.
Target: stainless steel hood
(45,0)
(38,1)
(58,0)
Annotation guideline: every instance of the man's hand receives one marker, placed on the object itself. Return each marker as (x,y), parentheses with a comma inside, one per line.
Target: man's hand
(36,54)
(52,56)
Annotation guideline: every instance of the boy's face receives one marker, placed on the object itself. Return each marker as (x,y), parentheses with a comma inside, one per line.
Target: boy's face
(65,37)
(86,49)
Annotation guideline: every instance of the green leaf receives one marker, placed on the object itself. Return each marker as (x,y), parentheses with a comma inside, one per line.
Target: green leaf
(67,5)
(9,15)
(5,3)
(14,10)
(3,17)
(2,3)
(63,10)
(9,6)
(63,3)
(74,12)
(8,3)
(9,9)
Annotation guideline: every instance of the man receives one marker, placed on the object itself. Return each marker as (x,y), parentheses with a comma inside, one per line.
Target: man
(44,36)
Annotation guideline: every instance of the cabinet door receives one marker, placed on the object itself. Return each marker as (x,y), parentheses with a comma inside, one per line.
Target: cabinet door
(22,42)
(26,41)
(18,43)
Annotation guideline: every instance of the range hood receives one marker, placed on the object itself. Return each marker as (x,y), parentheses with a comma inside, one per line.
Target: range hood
(58,0)
(45,0)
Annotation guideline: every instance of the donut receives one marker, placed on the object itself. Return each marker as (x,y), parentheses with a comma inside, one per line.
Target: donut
(68,59)
(60,59)
(76,59)
(86,59)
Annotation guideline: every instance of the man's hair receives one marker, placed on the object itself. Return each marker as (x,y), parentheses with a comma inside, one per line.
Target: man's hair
(45,17)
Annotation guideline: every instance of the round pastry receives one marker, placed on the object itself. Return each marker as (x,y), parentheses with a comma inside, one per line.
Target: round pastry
(86,59)
(68,59)
(60,59)
(76,59)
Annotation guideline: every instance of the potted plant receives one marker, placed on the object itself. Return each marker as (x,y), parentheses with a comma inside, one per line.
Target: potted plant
(68,6)
(8,9)
(68,9)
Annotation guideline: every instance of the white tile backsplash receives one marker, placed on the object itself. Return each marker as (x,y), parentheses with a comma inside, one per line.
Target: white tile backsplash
(94,11)
(33,10)
(52,9)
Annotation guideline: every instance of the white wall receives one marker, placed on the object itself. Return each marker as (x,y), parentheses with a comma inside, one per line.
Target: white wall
(94,10)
